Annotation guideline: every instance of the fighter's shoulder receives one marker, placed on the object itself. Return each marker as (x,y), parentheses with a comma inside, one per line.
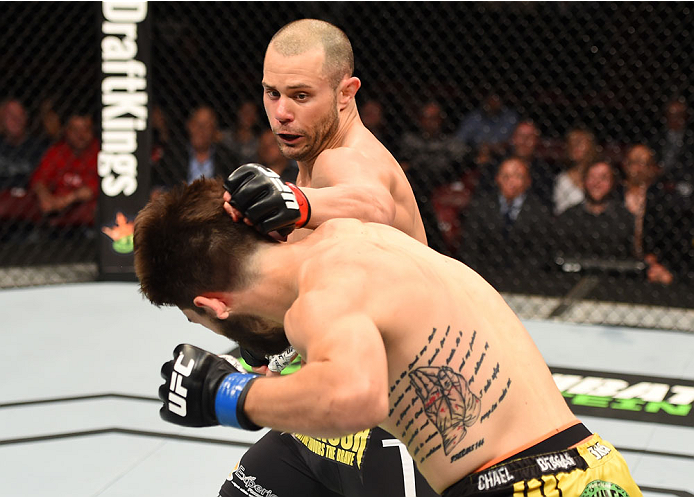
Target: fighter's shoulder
(372,156)
(334,250)
(330,285)
(340,227)
(339,156)
(347,232)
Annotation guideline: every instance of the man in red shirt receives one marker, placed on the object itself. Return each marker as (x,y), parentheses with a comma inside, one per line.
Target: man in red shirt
(66,181)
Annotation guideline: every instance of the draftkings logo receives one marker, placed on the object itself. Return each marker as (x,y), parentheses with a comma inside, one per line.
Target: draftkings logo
(625,396)
(121,232)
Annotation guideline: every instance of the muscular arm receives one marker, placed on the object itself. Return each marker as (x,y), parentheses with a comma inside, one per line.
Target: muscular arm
(341,389)
(344,184)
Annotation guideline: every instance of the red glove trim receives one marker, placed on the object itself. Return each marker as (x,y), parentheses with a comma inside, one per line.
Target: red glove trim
(304,206)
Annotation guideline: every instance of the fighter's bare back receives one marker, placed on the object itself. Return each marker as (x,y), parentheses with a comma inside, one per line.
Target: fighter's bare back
(466,383)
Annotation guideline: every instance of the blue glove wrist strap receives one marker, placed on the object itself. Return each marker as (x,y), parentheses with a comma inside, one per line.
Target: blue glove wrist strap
(229,400)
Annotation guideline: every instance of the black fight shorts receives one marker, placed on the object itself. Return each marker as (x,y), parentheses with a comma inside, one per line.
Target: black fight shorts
(368,464)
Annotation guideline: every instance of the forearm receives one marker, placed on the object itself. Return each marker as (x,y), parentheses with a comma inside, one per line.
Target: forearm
(46,200)
(41,191)
(50,202)
(82,194)
(314,401)
(349,201)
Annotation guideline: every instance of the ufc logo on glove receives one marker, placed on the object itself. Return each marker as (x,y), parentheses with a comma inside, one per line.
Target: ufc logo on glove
(286,192)
(177,392)
(269,203)
(214,391)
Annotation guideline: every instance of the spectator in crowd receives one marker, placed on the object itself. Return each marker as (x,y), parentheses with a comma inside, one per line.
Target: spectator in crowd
(201,156)
(51,126)
(270,155)
(667,219)
(20,152)
(676,145)
(160,133)
(431,158)
(581,151)
(507,230)
(669,241)
(600,227)
(524,145)
(668,229)
(640,172)
(488,129)
(66,181)
(242,138)
(371,113)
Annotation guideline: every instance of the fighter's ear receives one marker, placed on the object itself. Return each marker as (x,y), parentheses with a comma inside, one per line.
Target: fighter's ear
(214,304)
(347,90)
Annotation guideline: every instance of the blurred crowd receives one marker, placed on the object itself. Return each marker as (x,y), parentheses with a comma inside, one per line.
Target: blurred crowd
(495,189)
(48,172)
(506,200)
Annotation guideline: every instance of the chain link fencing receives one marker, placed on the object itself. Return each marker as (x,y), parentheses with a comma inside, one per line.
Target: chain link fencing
(477,101)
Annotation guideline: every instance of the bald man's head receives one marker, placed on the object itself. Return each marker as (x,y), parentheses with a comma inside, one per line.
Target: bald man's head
(305,35)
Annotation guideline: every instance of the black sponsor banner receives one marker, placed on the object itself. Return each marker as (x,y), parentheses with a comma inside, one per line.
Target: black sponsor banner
(627,396)
(124,160)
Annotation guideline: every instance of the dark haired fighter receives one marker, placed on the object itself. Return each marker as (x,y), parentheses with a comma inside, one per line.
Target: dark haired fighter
(445,365)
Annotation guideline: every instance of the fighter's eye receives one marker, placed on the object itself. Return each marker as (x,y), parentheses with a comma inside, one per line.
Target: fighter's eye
(301,96)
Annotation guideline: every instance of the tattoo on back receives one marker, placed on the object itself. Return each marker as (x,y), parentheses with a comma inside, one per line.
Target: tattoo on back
(449,400)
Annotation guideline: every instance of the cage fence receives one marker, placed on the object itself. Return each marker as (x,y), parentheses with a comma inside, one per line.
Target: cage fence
(470,98)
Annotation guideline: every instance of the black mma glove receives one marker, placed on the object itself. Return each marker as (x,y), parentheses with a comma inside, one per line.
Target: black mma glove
(203,389)
(269,203)
(253,359)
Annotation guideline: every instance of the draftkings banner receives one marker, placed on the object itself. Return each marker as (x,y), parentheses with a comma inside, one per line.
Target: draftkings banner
(124,160)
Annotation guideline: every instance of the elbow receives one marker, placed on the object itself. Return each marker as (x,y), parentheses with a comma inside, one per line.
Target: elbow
(387,214)
(382,212)
(355,409)
(373,205)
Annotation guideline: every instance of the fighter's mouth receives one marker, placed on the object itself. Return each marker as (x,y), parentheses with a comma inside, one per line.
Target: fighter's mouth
(288,138)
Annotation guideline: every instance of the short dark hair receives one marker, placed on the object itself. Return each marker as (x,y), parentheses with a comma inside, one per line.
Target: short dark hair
(187,245)
(601,160)
(300,36)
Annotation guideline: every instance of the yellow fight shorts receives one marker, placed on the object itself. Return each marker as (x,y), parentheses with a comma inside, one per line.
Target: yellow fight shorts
(592,469)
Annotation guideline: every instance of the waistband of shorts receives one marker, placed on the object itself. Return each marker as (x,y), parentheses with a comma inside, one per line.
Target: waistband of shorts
(564,437)
(541,459)
(559,441)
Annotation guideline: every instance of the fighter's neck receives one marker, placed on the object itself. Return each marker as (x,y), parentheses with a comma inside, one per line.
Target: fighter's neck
(275,284)
(348,123)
